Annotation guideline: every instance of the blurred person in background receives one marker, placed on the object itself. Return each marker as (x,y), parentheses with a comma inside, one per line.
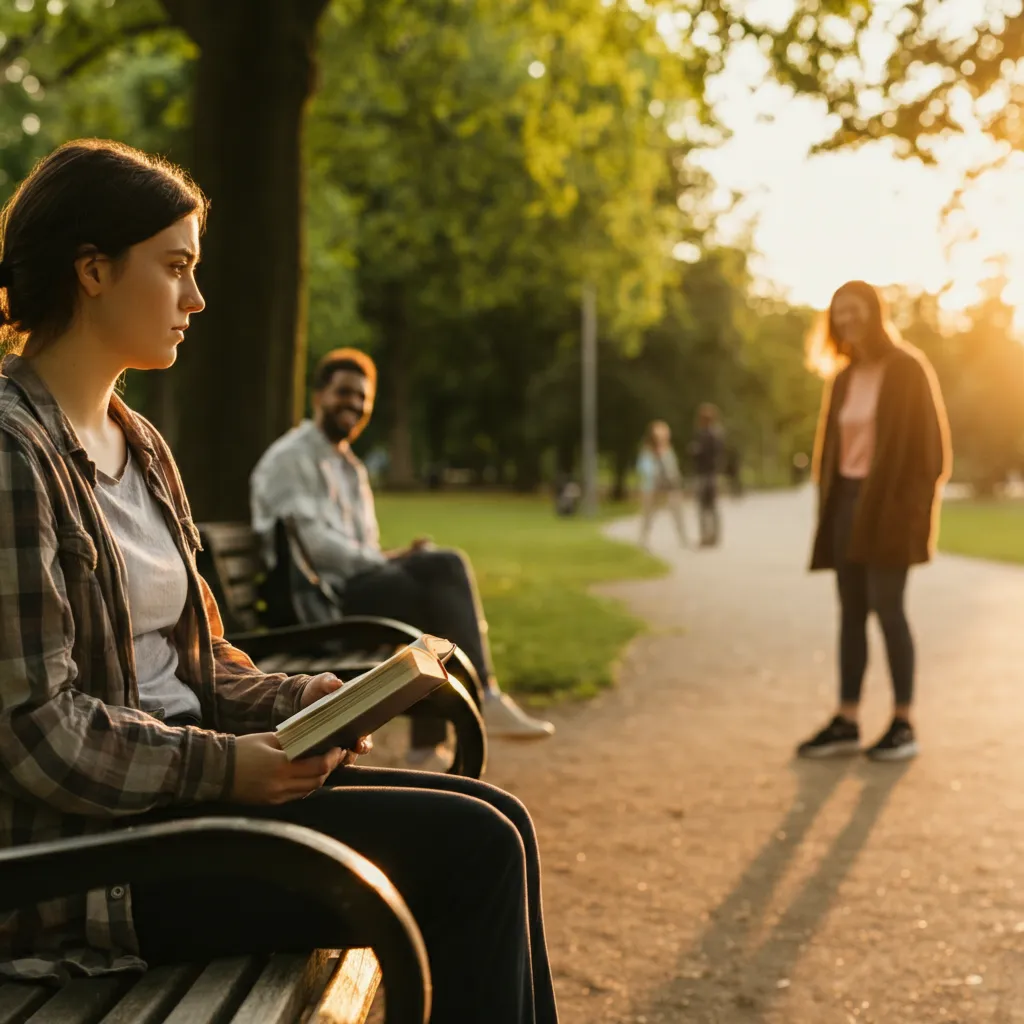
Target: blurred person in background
(313,476)
(568,495)
(707,450)
(881,457)
(660,482)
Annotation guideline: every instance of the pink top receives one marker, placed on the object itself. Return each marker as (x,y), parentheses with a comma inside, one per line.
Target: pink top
(857,421)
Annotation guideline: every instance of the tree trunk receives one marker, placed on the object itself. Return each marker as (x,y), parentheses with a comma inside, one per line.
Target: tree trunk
(239,379)
(397,380)
(565,457)
(161,407)
(623,464)
(527,469)
(401,472)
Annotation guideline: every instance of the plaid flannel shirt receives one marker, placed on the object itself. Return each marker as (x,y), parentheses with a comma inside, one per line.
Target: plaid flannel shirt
(77,754)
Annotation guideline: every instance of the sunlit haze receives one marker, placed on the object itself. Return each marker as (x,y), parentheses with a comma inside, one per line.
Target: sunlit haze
(819,220)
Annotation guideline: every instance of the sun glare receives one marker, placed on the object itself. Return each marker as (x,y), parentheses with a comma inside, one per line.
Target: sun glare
(865,213)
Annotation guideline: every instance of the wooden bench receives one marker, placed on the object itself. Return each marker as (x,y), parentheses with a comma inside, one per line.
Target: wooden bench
(253,608)
(323,987)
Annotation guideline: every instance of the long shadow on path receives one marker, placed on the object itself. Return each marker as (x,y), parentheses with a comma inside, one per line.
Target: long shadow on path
(728,976)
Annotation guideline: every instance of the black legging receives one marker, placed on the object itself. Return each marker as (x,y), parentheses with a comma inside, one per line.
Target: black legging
(864,589)
(434,591)
(462,854)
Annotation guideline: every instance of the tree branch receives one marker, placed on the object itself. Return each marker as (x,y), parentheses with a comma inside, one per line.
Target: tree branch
(17,45)
(100,48)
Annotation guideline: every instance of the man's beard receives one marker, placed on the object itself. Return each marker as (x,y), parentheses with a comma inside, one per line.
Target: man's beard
(335,432)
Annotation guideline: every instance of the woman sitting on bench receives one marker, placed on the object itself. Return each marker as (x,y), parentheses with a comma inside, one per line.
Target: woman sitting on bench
(120,701)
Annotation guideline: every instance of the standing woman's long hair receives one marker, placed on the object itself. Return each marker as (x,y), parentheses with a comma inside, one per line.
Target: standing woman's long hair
(827,353)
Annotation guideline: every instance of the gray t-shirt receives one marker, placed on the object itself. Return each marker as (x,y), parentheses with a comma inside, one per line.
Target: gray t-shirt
(157,589)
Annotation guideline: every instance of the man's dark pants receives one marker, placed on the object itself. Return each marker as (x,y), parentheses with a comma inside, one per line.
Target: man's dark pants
(433,590)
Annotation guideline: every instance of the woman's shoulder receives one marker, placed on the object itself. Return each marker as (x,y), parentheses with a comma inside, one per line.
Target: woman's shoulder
(33,474)
(909,357)
(909,366)
(22,429)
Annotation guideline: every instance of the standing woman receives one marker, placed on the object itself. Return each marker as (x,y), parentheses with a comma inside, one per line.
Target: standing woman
(660,480)
(882,455)
(120,699)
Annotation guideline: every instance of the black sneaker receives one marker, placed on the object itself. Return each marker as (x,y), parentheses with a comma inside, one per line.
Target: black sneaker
(898,744)
(839,738)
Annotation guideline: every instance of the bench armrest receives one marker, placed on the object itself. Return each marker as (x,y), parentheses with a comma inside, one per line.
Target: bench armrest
(451,702)
(344,883)
(358,632)
(354,632)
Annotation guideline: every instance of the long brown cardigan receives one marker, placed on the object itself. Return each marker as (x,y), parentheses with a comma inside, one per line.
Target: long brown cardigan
(897,516)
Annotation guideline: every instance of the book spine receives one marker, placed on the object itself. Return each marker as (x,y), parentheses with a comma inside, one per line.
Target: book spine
(380,714)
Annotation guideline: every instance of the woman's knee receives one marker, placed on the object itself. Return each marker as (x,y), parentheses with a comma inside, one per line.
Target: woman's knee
(511,808)
(885,599)
(853,611)
(481,830)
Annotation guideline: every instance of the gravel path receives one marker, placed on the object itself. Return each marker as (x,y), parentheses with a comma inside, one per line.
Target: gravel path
(694,873)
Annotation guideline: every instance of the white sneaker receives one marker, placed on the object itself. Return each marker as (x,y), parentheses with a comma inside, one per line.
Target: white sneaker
(428,759)
(503,717)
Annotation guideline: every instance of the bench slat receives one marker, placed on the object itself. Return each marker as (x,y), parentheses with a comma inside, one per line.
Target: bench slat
(18,1001)
(290,664)
(330,663)
(154,995)
(285,987)
(274,663)
(245,620)
(241,568)
(217,991)
(295,664)
(349,995)
(230,538)
(82,1001)
(241,596)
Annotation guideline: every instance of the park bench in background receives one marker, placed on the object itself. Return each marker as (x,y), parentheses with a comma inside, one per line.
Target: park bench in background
(231,561)
(323,987)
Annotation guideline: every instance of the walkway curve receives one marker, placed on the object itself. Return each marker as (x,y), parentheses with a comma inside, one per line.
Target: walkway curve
(694,873)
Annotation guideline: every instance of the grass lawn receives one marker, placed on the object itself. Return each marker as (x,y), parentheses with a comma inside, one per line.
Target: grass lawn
(984,529)
(550,638)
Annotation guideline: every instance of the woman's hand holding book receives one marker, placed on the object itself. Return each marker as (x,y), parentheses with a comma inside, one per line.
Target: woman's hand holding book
(321,685)
(264,775)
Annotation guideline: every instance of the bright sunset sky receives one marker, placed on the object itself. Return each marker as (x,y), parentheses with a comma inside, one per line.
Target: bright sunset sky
(821,220)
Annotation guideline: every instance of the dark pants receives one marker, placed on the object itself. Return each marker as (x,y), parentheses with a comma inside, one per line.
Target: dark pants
(707,508)
(864,589)
(434,591)
(462,854)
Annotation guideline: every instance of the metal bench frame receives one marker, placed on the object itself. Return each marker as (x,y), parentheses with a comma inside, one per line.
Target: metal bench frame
(301,648)
(301,860)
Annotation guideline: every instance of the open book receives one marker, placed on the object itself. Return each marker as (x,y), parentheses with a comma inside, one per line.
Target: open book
(369,701)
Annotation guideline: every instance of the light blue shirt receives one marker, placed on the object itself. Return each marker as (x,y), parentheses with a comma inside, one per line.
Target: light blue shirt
(326,490)
(657,470)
